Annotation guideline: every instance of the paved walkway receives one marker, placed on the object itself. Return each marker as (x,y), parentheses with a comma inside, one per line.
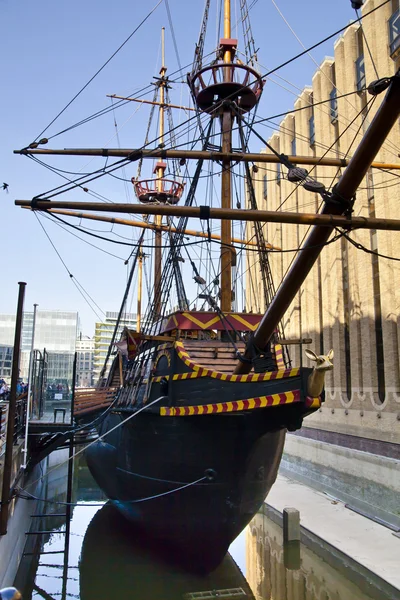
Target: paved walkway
(370,544)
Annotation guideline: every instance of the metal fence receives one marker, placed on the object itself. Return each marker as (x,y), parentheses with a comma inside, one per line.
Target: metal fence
(19,423)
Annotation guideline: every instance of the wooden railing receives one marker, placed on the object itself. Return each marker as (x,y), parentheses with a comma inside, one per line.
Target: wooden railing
(90,400)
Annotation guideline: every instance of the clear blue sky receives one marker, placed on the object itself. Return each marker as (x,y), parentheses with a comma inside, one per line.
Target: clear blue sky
(49,50)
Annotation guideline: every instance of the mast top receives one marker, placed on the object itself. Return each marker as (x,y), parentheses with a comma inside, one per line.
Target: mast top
(227,78)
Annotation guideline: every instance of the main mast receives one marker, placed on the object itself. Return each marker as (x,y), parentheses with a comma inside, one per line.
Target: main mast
(160,170)
(225,89)
(226,179)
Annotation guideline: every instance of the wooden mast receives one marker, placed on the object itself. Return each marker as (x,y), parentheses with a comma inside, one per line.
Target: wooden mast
(160,170)
(226,182)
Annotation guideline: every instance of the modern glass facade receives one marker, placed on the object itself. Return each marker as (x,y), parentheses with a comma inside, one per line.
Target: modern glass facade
(56,331)
(103,335)
(6,353)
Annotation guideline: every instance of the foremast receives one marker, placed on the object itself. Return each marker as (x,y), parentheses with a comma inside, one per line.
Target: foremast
(159,190)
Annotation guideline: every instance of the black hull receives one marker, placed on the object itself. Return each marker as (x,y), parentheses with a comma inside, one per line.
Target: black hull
(238,456)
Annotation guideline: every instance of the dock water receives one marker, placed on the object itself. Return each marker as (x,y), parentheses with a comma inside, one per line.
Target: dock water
(97,554)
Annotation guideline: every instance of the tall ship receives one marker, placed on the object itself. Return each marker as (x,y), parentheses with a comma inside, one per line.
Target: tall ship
(192,406)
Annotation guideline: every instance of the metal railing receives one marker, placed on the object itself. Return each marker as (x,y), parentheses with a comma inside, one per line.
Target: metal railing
(19,421)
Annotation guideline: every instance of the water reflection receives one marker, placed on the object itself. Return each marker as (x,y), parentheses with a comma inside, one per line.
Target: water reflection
(309,570)
(90,552)
(94,553)
(116,558)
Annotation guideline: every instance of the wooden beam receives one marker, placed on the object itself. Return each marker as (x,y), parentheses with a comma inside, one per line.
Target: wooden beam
(150,102)
(152,226)
(135,154)
(229,214)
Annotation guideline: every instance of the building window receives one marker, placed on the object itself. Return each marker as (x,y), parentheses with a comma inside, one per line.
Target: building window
(293,147)
(333,105)
(265,186)
(278,172)
(394,34)
(311,130)
(360,73)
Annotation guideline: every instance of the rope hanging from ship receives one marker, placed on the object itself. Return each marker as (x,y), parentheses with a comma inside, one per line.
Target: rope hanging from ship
(24,495)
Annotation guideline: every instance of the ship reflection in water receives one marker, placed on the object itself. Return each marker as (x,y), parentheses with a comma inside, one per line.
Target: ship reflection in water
(101,557)
(117,561)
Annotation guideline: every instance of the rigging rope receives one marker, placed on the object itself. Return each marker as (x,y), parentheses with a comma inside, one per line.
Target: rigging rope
(99,70)
(79,287)
(28,496)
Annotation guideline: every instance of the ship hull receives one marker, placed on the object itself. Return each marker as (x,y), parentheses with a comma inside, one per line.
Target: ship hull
(149,465)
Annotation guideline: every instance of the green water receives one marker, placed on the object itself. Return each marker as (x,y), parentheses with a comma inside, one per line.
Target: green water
(93,553)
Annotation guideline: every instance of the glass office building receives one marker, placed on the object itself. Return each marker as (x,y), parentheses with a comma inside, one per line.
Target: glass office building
(6,354)
(55,331)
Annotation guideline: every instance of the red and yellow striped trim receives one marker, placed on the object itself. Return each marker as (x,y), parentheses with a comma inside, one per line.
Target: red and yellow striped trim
(200,371)
(160,355)
(234,406)
(203,372)
(184,356)
(313,402)
(280,363)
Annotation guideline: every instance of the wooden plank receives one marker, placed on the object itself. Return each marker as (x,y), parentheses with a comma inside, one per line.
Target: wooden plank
(90,409)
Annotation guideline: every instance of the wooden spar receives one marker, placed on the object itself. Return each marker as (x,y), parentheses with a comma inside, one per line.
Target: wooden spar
(264,216)
(226,120)
(150,102)
(136,154)
(144,225)
(374,137)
